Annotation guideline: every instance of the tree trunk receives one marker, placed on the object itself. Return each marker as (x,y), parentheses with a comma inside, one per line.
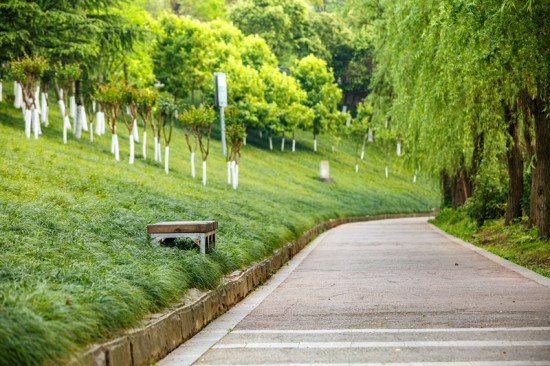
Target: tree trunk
(479,144)
(515,169)
(542,146)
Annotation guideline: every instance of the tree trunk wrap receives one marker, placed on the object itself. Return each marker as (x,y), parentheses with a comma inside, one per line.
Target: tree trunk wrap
(193,165)
(131,138)
(27,116)
(144,148)
(166,155)
(159,149)
(72,107)
(44,114)
(228,172)
(542,136)
(35,122)
(515,170)
(204,173)
(135,132)
(117,151)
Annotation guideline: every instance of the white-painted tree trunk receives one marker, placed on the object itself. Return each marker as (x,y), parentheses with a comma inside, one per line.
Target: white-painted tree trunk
(131,161)
(18,101)
(44,113)
(112,144)
(386,171)
(261,135)
(244,140)
(98,123)
(91,132)
(159,149)
(72,107)
(0,90)
(35,122)
(28,120)
(37,99)
(204,173)
(398,149)
(363,147)
(234,174)
(270,143)
(83,122)
(144,152)
(283,144)
(193,164)
(156,148)
(371,136)
(333,148)
(414,178)
(135,132)
(102,123)
(79,122)
(315,145)
(93,106)
(228,172)
(117,153)
(293,145)
(356,168)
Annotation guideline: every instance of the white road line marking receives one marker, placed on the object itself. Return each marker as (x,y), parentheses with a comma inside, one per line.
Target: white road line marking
(471,363)
(376,330)
(407,344)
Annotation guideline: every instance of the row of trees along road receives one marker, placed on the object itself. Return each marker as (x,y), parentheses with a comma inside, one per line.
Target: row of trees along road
(467,87)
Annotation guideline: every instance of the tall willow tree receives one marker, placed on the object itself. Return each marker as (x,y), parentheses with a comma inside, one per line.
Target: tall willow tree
(456,75)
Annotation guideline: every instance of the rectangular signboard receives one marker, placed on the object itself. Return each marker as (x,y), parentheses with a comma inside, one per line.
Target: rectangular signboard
(221,89)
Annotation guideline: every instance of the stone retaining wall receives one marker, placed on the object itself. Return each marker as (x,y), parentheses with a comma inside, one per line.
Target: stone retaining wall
(167,330)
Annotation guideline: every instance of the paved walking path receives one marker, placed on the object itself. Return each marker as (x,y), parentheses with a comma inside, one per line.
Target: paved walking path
(396,292)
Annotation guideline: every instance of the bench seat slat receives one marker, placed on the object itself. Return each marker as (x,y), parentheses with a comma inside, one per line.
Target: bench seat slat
(182,227)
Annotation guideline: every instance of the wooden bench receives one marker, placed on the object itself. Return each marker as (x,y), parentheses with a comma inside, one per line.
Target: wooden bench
(203,233)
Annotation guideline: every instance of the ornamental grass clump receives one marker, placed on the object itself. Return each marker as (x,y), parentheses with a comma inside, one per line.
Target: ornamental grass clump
(65,77)
(146,100)
(235,133)
(27,72)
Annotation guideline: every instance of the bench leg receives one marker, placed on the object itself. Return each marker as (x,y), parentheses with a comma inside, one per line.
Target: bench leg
(203,243)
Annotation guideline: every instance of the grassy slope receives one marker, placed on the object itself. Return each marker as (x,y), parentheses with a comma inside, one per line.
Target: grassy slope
(75,261)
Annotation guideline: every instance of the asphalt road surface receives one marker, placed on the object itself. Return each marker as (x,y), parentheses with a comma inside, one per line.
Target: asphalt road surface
(395,292)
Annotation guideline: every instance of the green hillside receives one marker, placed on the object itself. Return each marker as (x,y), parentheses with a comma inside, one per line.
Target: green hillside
(75,261)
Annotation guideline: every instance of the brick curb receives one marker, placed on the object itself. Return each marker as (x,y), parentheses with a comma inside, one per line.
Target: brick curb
(167,330)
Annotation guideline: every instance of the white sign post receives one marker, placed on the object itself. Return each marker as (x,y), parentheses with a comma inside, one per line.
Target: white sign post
(220,82)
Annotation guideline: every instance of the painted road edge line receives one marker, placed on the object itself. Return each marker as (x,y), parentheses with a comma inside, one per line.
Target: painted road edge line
(377,330)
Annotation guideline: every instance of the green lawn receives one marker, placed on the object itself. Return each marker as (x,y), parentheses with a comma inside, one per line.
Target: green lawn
(75,261)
